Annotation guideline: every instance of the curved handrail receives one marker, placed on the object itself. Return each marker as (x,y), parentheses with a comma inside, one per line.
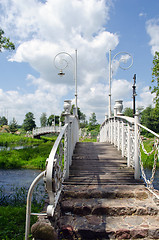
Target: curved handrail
(28,206)
(147,129)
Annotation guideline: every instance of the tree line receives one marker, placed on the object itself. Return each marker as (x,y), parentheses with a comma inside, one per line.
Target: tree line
(29,121)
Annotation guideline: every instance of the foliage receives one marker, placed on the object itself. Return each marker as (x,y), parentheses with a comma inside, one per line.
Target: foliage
(43,120)
(29,122)
(81,117)
(128,112)
(155,77)
(150,119)
(51,119)
(33,158)
(13,126)
(5,42)
(3,121)
(13,212)
(148,160)
(8,139)
(93,122)
(29,157)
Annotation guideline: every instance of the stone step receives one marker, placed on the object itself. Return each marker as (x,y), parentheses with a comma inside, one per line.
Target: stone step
(109,207)
(108,227)
(111,192)
(93,181)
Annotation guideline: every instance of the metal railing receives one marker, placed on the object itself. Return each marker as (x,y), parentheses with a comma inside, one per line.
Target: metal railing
(57,168)
(44,130)
(124,133)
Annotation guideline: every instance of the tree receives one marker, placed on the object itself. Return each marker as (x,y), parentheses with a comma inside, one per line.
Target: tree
(155,77)
(5,42)
(150,118)
(92,122)
(3,121)
(29,122)
(128,112)
(43,120)
(13,126)
(81,117)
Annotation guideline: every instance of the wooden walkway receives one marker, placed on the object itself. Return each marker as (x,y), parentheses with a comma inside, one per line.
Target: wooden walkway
(99,164)
(102,200)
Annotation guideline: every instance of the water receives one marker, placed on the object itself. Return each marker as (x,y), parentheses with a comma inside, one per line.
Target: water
(148,173)
(15,148)
(10,179)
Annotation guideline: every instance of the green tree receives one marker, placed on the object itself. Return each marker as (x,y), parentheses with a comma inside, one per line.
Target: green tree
(128,112)
(13,126)
(29,122)
(155,77)
(92,122)
(150,118)
(43,120)
(81,117)
(53,118)
(3,121)
(5,42)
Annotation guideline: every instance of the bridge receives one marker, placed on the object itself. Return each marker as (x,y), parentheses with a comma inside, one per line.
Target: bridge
(37,132)
(95,189)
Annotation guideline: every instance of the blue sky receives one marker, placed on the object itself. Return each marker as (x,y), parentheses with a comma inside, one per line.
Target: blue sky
(41,29)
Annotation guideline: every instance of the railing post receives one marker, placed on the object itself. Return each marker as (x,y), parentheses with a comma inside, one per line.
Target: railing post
(122,140)
(128,145)
(136,153)
(67,108)
(118,134)
(114,131)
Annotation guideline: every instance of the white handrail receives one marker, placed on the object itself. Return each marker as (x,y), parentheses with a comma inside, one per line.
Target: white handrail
(28,206)
(147,129)
(55,172)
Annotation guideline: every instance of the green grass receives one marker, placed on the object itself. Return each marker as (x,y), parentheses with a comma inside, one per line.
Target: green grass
(88,140)
(13,213)
(148,160)
(32,158)
(9,139)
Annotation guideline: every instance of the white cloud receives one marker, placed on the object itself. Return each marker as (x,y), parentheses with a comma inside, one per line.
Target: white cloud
(152,28)
(41,30)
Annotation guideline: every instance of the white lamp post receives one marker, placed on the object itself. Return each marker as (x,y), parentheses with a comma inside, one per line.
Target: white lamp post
(61,63)
(124,58)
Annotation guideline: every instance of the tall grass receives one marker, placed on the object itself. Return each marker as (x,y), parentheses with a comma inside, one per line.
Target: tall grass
(148,161)
(33,158)
(13,212)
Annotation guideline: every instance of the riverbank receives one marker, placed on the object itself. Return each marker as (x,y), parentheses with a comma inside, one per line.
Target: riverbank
(33,154)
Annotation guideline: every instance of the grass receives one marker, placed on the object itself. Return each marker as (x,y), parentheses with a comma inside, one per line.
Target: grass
(148,161)
(13,213)
(9,139)
(33,157)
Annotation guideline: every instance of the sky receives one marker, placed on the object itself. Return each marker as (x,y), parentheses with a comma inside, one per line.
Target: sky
(41,29)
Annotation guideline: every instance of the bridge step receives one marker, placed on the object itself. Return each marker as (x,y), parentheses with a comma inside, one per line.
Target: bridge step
(102,200)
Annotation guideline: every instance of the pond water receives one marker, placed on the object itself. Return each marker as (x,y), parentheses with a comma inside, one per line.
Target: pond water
(10,179)
(16,147)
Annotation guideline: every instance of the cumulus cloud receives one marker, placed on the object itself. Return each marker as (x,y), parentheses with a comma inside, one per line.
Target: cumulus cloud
(152,28)
(44,28)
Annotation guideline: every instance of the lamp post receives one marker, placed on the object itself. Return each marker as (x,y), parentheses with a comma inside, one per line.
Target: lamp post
(61,63)
(124,57)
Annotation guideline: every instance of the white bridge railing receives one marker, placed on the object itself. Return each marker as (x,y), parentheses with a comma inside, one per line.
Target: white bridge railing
(45,130)
(124,133)
(57,167)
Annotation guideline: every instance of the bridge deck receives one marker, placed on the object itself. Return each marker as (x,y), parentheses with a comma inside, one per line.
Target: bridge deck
(102,200)
(99,164)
